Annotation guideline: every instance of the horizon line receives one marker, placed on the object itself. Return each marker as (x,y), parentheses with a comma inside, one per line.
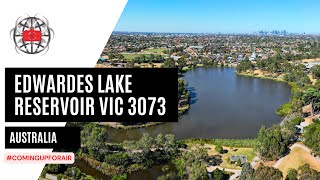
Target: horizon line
(235,33)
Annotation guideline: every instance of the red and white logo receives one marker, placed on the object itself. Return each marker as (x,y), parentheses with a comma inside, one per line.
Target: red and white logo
(32,35)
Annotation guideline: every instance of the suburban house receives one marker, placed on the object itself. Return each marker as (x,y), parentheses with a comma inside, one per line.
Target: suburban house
(234,159)
(301,127)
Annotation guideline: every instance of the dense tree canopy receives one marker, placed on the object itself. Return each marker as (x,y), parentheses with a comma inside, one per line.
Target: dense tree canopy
(272,142)
(93,138)
(265,172)
(247,172)
(312,136)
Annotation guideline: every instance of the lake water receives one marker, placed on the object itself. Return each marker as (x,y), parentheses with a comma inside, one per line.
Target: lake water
(223,105)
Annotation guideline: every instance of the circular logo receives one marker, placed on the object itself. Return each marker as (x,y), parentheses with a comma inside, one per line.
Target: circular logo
(32,35)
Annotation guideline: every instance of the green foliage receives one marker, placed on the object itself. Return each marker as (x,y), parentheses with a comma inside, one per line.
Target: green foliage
(311,137)
(148,150)
(120,177)
(292,174)
(192,162)
(247,172)
(117,159)
(219,149)
(43,172)
(218,174)
(55,168)
(244,66)
(297,74)
(169,176)
(198,171)
(306,173)
(94,137)
(87,177)
(180,166)
(238,163)
(239,143)
(284,109)
(73,172)
(60,176)
(312,95)
(182,87)
(316,71)
(168,63)
(272,143)
(291,125)
(265,172)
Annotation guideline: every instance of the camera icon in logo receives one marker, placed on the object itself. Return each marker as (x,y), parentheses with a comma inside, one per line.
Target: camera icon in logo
(32,35)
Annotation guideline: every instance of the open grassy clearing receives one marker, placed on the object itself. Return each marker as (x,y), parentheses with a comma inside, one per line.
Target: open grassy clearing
(298,157)
(155,50)
(230,152)
(133,56)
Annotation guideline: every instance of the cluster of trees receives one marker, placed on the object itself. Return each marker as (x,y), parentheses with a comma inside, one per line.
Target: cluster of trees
(169,63)
(295,73)
(311,136)
(245,143)
(273,142)
(262,172)
(244,66)
(316,71)
(190,165)
(93,141)
(65,172)
(182,88)
(149,151)
(304,173)
(312,96)
(292,72)
(148,58)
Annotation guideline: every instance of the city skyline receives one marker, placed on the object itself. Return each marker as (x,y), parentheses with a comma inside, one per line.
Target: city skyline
(229,17)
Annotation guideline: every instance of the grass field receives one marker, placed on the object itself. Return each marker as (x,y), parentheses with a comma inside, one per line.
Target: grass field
(298,157)
(231,151)
(155,51)
(133,56)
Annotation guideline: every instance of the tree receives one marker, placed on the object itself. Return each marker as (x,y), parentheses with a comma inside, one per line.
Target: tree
(311,136)
(191,163)
(120,177)
(218,174)
(87,177)
(306,173)
(312,96)
(265,172)
(198,171)
(238,163)
(73,172)
(316,71)
(219,149)
(168,63)
(169,176)
(292,174)
(94,139)
(117,159)
(244,66)
(247,172)
(271,143)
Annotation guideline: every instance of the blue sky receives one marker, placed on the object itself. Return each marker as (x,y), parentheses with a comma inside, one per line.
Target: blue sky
(226,16)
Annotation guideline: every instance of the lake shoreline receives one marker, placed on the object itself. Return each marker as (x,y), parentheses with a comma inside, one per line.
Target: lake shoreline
(183,110)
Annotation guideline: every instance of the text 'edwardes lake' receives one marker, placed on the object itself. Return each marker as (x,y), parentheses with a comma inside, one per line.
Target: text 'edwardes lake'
(223,105)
